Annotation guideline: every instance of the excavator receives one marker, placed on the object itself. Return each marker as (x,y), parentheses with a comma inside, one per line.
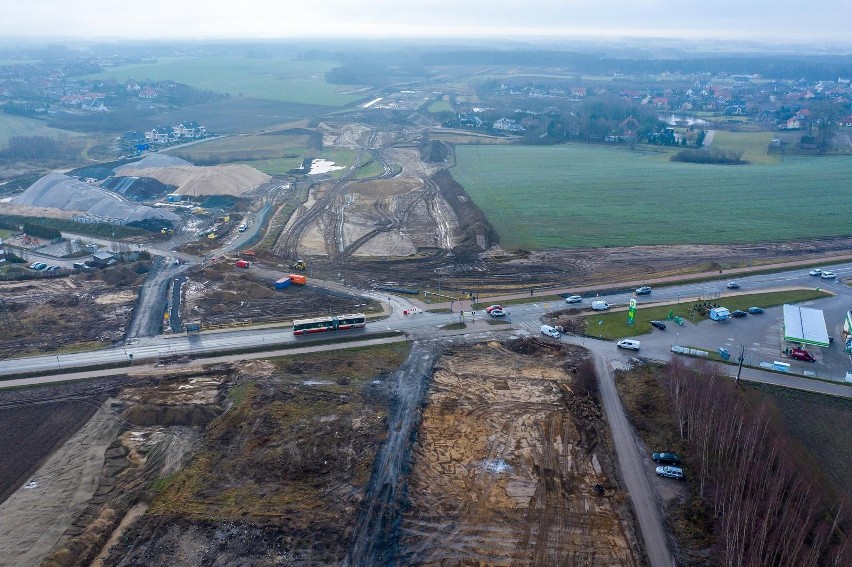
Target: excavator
(300,265)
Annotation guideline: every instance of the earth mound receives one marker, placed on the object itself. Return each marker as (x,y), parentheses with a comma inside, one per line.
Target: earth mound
(156,160)
(213,180)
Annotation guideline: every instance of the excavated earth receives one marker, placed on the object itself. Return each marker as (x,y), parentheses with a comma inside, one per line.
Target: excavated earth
(45,314)
(506,465)
(503,460)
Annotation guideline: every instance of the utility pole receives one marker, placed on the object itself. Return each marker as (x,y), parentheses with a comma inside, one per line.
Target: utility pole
(741,358)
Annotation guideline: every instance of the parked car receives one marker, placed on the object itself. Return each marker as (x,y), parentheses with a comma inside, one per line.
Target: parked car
(733,285)
(498,313)
(659,325)
(670,472)
(815,272)
(801,354)
(738,313)
(573,299)
(40,266)
(33,265)
(549,331)
(827,275)
(492,308)
(644,290)
(755,310)
(666,458)
(629,344)
(52,269)
(79,265)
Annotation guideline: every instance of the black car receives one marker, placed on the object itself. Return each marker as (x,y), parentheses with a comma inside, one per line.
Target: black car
(666,458)
(659,325)
(738,313)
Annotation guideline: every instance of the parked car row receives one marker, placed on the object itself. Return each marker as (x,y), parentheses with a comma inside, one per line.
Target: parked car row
(41,266)
(670,465)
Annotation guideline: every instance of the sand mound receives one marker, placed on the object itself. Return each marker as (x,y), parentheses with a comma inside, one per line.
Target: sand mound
(59,191)
(214,180)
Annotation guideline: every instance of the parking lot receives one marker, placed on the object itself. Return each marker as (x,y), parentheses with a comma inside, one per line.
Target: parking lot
(762,337)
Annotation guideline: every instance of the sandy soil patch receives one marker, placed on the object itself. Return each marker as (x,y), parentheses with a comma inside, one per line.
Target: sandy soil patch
(505,473)
(35,518)
(113,298)
(212,180)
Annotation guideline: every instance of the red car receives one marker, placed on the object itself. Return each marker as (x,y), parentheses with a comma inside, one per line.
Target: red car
(801,354)
(493,307)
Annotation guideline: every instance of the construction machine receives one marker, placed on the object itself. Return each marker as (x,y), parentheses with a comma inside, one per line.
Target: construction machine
(300,265)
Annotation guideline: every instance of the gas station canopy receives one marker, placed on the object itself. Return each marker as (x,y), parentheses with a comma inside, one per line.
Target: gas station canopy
(805,325)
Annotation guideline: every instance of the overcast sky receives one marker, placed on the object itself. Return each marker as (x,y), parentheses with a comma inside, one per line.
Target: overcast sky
(764,20)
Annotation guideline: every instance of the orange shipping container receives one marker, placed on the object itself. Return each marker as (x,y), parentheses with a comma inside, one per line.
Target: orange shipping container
(298,279)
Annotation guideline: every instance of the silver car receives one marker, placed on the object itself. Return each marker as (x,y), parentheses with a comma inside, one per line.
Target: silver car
(573,299)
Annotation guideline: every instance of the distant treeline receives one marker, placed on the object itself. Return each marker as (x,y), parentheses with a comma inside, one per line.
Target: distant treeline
(50,228)
(39,147)
(712,156)
(775,66)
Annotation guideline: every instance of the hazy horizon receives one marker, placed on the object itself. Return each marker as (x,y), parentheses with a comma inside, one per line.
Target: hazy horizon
(781,22)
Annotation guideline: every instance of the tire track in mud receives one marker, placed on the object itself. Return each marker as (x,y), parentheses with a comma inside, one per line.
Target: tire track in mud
(376,536)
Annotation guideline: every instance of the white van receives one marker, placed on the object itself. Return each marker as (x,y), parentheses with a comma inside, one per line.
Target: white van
(628,344)
(243,227)
(600,305)
(549,331)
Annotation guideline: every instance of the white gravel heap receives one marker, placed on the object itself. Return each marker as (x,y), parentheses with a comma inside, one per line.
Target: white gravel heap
(58,191)
(156,160)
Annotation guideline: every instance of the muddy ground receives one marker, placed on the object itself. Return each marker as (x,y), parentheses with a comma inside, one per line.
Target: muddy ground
(222,294)
(507,461)
(284,462)
(46,314)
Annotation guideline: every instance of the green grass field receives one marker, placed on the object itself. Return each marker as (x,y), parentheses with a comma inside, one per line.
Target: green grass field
(11,125)
(273,78)
(441,106)
(613,325)
(752,144)
(577,195)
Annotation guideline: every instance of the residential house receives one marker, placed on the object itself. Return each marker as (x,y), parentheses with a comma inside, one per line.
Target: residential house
(161,135)
(507,125)
(148,93)
(189,130)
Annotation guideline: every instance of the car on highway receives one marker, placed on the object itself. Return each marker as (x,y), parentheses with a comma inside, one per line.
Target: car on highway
(498,313)
(666,458)
(827,275)
(492,308)
(659,325)
(755,310)
(801,354)
(644,290)
(738,313)
(600,305)
(573,299)
(733,285)
(670,472)
(815,272)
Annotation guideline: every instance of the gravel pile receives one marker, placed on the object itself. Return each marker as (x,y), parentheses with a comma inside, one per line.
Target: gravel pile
(156,160)
(59,191)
